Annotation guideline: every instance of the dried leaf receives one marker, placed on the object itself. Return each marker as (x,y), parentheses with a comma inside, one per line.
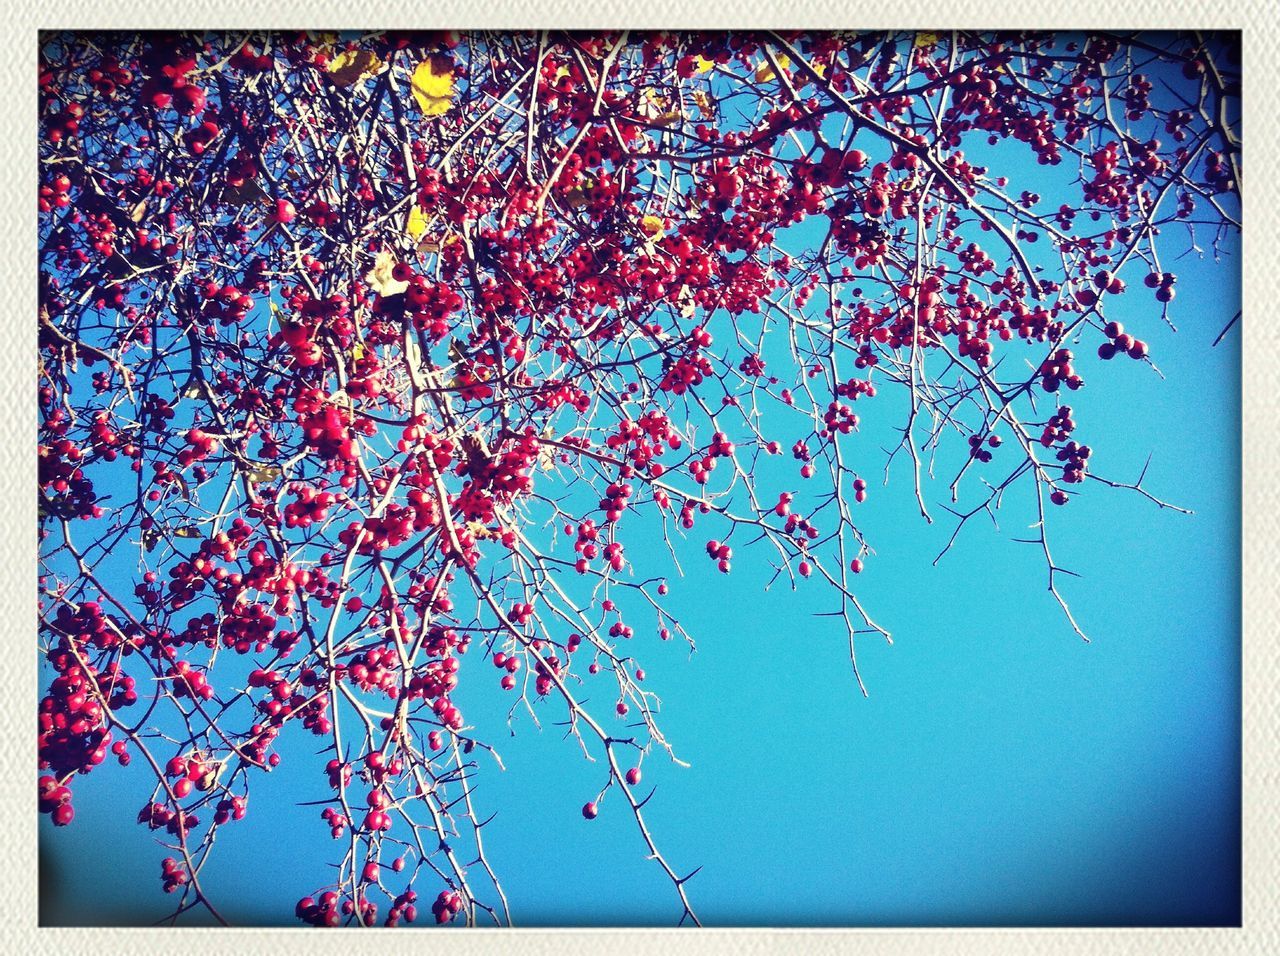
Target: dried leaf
(381,280)
(657,108)
(187,531)
(260,472)
(547,453)
(250,191)
(323,41)
(351,66)
(688,304)
(432,86)
(706,105)
(209,779)
(481,532)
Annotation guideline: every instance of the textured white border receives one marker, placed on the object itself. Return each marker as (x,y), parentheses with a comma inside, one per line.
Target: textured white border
(1260,587)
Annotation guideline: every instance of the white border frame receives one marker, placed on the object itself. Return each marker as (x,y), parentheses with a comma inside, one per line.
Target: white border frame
(1261,450)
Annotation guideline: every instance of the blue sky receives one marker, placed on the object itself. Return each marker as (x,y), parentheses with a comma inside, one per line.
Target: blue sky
(1001,772)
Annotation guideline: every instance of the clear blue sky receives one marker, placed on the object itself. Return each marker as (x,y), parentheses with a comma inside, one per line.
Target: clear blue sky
(1001,772)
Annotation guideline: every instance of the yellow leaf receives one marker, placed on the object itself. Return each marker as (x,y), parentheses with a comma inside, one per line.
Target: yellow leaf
(323,41)
(652,226)
(433,86)
(803,79)
(656,108)
(481,531)
(764,72)
(705,103)
(926,39)
(351,66)
(702,65)
(358,351)
(576,197)
(187,531)
(417,223)
(261,472)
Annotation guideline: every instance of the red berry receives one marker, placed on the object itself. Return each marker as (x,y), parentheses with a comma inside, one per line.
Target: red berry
(189,100)
(284,212)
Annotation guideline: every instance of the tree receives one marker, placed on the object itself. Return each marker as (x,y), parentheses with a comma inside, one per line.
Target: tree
(362,356)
